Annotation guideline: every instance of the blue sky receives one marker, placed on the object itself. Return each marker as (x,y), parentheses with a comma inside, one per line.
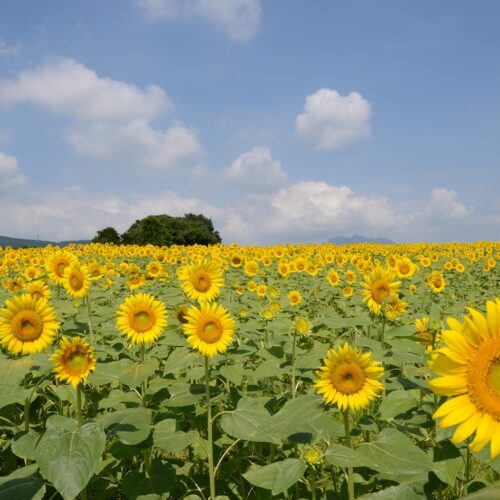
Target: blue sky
(283,121)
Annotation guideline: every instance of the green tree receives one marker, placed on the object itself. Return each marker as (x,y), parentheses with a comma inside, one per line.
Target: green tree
(107,235)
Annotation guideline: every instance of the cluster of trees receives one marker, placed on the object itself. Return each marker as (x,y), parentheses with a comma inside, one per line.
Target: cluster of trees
(163,230)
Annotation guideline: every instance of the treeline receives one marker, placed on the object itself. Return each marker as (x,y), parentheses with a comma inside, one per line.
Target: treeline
(163,230)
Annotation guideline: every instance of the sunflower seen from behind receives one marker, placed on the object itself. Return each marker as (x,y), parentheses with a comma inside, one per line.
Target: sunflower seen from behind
(74,361)
(201,282)
(209,329)
(468,366)
(142,318)
(28,325)
(349,378)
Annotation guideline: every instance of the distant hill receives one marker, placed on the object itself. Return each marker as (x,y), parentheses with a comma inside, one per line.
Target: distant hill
(356,238)
(7,241)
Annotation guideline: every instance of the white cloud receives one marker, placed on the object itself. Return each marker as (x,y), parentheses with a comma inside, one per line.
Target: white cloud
(444,205)
(10,177)
(332,121)
(239,19)
(110,117)
(7,51)
(257,171)
(177,146)
(67,87)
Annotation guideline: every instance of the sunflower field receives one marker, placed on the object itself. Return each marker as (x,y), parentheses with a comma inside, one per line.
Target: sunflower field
(291,371)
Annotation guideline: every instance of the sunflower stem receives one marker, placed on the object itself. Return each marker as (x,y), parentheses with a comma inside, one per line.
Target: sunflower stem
(79,405)
(294,342)
(312,484)
(209,430)
(350,479)
(91,326)
(26,407)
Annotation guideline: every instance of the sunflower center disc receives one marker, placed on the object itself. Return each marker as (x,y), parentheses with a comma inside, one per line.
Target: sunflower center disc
(77,363)
(211,332)
(60,269)
(380,291)
(348,378)
(484,379)
(27,326)
(142,321)
(76,281)
(202,282)
(404,269)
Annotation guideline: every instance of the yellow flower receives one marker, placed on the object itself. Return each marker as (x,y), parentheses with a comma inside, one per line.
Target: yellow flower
(261,290)
(347,291)
(394,308)
(294,297)
(142,318)
(379,285)
(39,289)
(209,329)
(469,369)
(27,325)
(302,325)
(57,263)
(348,378)
(333,277)
(435,282)
(74,360)
(201,282)
(77,280)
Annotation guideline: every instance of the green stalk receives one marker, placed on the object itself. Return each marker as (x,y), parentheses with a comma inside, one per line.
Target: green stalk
(26,407)
(382,331)
(146,453)
(91,326)
(350,479)
(209,429)
(312,484)
(79,405)
(293,363)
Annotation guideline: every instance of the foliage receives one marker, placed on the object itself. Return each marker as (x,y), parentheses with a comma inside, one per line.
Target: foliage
(107,235)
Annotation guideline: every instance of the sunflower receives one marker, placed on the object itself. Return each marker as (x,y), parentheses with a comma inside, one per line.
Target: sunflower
(74,360)
(39,289)
(261,290)
(333,277)
(426,335)
(347,291)
(155,269)
(395,307)
(210,329)
(136,281)
(202,281)
(405,268)
(57,263)
(469,369)
(77,280)
(348,378)
(27,325)
(379,285)
(435,281)
(294,297)
(142,318)
(302,326)
(251,267)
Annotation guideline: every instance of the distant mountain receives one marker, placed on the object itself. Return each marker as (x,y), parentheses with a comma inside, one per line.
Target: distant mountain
(356,238)
(7,241)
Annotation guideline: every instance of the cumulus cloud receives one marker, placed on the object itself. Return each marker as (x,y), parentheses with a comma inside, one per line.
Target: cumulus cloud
(239,19)
(332,121)
(110,118)
(444,205)
(67,87)
(10,176)
(176,146)
(7,50)
(256,170)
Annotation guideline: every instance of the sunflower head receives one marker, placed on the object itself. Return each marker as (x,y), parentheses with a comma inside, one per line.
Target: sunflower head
(294,297)
(469,373)
(27,325)
(142,318)
(378,286)
(74,360)
(56,265)
(77,280)
(302,326)
(348,378)
(209,329)
(203,281)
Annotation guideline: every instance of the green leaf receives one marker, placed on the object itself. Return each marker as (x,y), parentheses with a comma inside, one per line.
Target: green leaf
(233,373)
(161,479)
(23,444)
(130,426)
(108,373)
(137,373)
(68,459)
(166,436)
(11,395)
(395,456)
(247,420)
(22,484)
(181,359)
(488,493)
(342,456)
(183,394)
(14,370)
(408,491)
(277,477)
(397,402)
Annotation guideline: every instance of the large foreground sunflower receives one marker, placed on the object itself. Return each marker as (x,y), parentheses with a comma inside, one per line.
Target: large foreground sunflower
(27,325)
(74,360)
(348,378)
(378,286)
(469,369)
(202,281)
(142,318)
(210,329)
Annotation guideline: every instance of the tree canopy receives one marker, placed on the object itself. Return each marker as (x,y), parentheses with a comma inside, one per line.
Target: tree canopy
(164,230)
